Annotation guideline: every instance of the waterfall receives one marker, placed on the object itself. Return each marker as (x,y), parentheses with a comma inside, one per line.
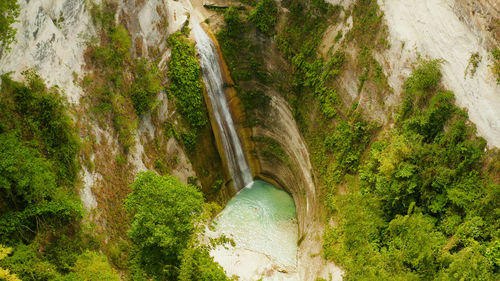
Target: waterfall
(212,77)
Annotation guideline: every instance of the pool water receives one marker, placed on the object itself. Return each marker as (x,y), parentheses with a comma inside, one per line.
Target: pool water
(262,218)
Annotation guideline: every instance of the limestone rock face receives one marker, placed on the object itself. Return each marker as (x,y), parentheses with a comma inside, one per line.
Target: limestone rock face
(50,38)
(481,16)
(52,35)
(438,30)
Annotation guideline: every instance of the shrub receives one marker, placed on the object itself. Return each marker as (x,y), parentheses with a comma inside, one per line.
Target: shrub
(424,184)
(185,76)
(265,16)
(146,86)
(92,266)
(496,63)
(425,77)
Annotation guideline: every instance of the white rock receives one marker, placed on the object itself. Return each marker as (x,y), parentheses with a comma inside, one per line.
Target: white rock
(431,28)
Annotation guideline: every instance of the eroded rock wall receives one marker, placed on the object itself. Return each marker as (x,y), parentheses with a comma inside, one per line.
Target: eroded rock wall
(438,30)
(52,38)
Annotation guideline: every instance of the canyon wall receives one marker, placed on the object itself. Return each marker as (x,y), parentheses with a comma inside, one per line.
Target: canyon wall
(52,38)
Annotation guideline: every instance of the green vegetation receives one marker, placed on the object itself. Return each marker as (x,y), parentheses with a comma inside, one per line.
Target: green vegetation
(165,223)
(243,57)
(271,149)
(245,62)
(369,33)
(412,203)
(40,213)
(185,75)
(121,88)
(474,61)
(254,102)
(367,19)
(9,10)
(5,273)
(346,145)
(423,205)
(311,74)
(37,139)
(496,63)
(265,16)
(198,265)
(146,86)
(92,266)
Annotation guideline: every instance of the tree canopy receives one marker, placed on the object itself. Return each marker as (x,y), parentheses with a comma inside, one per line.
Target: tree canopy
(163,215)
(9,10)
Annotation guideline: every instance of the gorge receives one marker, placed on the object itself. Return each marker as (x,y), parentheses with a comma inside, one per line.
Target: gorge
(271,140)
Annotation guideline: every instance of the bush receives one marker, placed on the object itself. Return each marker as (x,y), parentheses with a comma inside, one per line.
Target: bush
(234,23)
(146,86)
(185,76)
(265,16)
(92,266)
(37,139)
(198,265)
(189,140)
(425,77)
(496,63)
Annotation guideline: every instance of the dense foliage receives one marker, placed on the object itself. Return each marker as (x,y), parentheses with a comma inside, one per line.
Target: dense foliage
(91,266)
(36,139)
(146,87)
(416,203)
(198,265)
(245,61)
(184,73)
(5,274)
(165,214)
(312,74)
(40,211)
(9,10)
(423,205)
(265,16)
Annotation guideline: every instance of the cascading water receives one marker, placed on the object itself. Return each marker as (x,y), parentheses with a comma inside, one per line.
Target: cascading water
(260,219)
(212,76)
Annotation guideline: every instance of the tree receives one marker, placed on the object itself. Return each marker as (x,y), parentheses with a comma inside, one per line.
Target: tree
(29,192)
(413,242)
(9,10)
(92,266)
(163,220)
(471,265)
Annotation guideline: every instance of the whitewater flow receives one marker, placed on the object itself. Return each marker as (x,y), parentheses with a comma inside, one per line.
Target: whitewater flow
(212,76)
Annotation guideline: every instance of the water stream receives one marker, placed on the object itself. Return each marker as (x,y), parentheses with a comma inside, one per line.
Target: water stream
(212,76)
(260,218)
